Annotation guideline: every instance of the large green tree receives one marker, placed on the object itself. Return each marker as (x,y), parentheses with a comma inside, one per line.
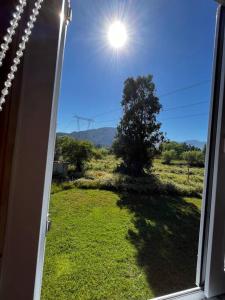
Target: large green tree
(138,133)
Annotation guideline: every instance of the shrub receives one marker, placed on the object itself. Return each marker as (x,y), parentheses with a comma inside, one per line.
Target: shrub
(59,187)
(99,153)
(74,152)
(194,158)
(179,148)
(168,156)
(58,177)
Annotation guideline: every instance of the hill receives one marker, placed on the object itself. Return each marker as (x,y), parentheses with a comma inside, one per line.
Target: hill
(101,136)
(104,137)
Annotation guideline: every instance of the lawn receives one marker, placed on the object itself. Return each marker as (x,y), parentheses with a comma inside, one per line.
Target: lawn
(105,245)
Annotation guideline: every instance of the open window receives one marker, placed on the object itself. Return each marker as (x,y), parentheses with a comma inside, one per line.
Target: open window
(27,139)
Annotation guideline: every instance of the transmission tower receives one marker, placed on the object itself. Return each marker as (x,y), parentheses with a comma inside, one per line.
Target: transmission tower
(88,120)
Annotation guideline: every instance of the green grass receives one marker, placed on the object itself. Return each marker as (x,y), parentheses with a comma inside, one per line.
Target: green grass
(115,237)
(108,246)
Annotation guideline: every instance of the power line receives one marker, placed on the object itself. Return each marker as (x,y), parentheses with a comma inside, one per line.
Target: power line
(184,88)
(184,106)
(107,112)
(107,121)
(171,118)
(92,120)
(185,116)
(169,109)
(164,110)
(161,96)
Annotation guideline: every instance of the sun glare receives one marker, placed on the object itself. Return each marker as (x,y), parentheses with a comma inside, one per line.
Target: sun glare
(117,35)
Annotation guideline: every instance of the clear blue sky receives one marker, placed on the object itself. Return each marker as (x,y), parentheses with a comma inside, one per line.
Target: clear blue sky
(173,40)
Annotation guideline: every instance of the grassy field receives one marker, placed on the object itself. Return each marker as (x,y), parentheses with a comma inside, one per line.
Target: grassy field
(118,245)
(108,246)
(174,179)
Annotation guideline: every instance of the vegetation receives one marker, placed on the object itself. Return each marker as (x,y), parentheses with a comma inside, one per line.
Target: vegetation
(116,236)
(104,245)
(179,148)
(138,133)
(194,158)
(168,156)
(73,151)
(126,221)
(174,179)
(177,178)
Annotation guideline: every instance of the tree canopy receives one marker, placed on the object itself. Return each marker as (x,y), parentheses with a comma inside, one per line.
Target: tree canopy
(138,133)
(179,148)
(73,151)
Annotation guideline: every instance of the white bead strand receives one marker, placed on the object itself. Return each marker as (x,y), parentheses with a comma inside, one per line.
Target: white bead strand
(20,52)
(12,29)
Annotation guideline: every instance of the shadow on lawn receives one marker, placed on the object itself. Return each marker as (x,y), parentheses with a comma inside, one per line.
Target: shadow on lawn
(166,239)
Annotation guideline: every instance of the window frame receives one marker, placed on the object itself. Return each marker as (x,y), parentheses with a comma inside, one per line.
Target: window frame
(191,294)
(31,170)
(210,151)
(210,267)
(29,236)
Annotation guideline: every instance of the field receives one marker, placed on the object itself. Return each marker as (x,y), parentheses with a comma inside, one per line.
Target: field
(111,239)
(175,179)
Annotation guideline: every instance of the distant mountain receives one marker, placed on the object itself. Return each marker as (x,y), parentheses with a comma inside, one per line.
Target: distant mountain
(104,137)
(101,136)
(196,143)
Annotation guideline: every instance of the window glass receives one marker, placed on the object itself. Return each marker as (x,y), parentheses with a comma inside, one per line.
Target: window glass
(130,150)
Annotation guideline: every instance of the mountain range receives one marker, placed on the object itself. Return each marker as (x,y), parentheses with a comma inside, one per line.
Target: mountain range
(104,137)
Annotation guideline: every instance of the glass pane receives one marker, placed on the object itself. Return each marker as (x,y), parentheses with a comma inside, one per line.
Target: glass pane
(131,142)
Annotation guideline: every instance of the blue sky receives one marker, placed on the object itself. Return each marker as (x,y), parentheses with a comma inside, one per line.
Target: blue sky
(173,40)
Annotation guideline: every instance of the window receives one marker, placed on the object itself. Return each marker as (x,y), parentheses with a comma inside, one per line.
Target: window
(32,157)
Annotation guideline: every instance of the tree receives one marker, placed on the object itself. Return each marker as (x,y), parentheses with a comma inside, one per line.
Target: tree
(180,148)
(73,151)
(58,149)
(138,133)
(194,158)
(84,154)
(204,150)
(168,156)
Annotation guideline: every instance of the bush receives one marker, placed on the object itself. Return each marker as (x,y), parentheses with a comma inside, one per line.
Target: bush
(99,153)
(179,148)
(59,187)
(59,177)
(194,158)
(74,152)
(168,156)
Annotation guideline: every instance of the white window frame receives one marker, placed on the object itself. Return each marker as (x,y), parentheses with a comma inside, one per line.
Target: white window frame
(23,253)
(23,257)
(210,267)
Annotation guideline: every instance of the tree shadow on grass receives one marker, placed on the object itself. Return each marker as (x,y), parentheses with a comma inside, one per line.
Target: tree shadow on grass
(166,238)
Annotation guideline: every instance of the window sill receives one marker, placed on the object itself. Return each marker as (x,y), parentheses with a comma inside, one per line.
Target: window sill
(192,294)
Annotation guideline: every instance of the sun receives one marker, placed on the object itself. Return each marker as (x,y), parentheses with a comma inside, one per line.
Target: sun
(117,35)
